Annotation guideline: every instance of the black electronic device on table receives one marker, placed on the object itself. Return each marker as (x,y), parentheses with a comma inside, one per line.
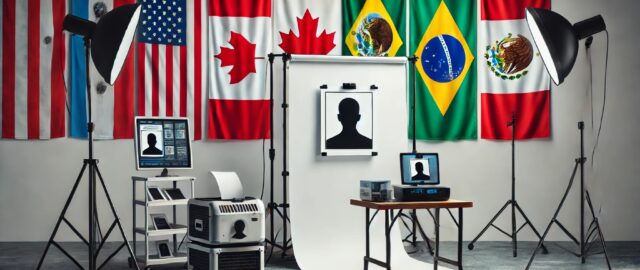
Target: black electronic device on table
(420,173)
(162,143)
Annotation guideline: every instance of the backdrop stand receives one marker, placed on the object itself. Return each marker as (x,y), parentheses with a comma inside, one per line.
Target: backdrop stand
(514,204)
(594,227)
(95,245)
(272,205)
(413,217)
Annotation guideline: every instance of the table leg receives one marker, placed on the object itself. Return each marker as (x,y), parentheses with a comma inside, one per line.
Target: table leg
(366,224)
(437,228)
(387,231)
(460,238)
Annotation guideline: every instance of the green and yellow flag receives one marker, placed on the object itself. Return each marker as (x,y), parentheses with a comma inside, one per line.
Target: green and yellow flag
(374,27)
(443,37)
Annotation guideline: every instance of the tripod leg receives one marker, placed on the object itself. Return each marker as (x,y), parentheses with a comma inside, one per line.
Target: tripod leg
(555,215)
(533,228)
(64,211)
(604,246)
(489,224)
(600,235)
(544,235)
(124,237)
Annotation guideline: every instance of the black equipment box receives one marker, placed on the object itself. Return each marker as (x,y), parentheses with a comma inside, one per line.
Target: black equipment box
(238,257)
(406,193)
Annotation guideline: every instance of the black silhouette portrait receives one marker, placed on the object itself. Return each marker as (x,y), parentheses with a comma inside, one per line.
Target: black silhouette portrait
(152,149)
(239,227)
(420,173)
(349,137)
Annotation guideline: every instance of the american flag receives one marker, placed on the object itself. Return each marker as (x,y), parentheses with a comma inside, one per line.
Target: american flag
(171,73)
(32,63)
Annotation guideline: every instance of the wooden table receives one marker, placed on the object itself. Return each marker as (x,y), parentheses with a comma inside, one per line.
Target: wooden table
(390,219)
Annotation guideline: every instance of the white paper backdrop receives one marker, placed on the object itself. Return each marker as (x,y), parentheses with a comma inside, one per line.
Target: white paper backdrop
(327,232)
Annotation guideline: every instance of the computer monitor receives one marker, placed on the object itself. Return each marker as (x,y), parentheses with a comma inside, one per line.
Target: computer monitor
(420,168)
(162,143)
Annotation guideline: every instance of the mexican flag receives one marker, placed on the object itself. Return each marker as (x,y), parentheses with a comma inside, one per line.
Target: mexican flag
(374,27)
(443,37)
(513,80)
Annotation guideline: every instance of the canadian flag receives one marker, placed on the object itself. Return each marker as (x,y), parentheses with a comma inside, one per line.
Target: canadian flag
(239,40)
(308,26)
(512,76)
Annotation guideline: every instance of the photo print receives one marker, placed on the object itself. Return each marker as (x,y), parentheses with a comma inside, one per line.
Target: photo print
(151,140)
(347,123)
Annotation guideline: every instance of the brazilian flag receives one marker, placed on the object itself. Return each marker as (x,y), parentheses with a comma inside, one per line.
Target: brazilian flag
(443,37)
(374,27)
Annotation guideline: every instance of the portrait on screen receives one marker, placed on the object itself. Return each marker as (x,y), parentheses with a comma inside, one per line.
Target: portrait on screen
(151,141)
(347,119)
(420,169)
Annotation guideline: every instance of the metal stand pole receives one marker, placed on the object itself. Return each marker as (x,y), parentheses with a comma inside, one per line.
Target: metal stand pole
(285,173)
(273,206)
(272,153)
(93,246)
(595,225)
(513,203)
(413,217)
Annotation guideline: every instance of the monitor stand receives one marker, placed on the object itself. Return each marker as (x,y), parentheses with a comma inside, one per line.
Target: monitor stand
(165,173)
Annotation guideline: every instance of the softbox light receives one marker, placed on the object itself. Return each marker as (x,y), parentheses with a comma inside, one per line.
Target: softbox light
(112,38)
(557,40)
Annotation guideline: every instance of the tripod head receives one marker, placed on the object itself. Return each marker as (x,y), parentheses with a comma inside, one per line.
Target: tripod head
(513,120)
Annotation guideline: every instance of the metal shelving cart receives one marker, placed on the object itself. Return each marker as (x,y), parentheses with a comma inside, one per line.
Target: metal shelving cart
(148,230)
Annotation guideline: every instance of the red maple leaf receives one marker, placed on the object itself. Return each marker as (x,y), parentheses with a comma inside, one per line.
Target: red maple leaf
(307,42)
(241,57)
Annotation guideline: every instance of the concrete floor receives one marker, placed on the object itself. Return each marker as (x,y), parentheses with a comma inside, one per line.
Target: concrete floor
(486,255)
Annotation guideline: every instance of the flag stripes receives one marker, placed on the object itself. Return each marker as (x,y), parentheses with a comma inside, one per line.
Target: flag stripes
(112,106)
(170,76)
(32,56)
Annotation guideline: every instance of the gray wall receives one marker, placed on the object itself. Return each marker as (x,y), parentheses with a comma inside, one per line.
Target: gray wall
(36,176)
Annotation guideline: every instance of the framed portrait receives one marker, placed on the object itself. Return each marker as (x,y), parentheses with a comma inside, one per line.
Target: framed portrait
(347,123)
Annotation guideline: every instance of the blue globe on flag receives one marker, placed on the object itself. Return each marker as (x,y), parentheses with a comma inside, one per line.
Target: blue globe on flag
(443,58)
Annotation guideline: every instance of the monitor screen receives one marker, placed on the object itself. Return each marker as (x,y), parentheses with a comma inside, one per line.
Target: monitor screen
(419,168)
(162,143)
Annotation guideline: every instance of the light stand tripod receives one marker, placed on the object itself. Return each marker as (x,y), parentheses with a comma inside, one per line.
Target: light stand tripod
(514,204)
(93,244)
(593,227)
(273,206)
(413,217)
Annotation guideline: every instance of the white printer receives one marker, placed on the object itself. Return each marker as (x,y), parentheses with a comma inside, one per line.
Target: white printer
(215,221)
(226,232)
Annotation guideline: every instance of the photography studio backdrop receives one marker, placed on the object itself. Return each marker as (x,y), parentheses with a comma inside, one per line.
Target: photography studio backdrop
(327,232)
(36,176)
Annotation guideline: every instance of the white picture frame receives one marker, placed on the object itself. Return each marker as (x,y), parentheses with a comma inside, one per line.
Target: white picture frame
(350,132)
(155,194)
(163,249)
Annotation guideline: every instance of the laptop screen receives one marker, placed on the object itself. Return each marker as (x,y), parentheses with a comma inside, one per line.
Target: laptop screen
(420,168)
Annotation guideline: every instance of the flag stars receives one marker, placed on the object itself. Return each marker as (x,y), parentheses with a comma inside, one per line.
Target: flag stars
(164,23)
